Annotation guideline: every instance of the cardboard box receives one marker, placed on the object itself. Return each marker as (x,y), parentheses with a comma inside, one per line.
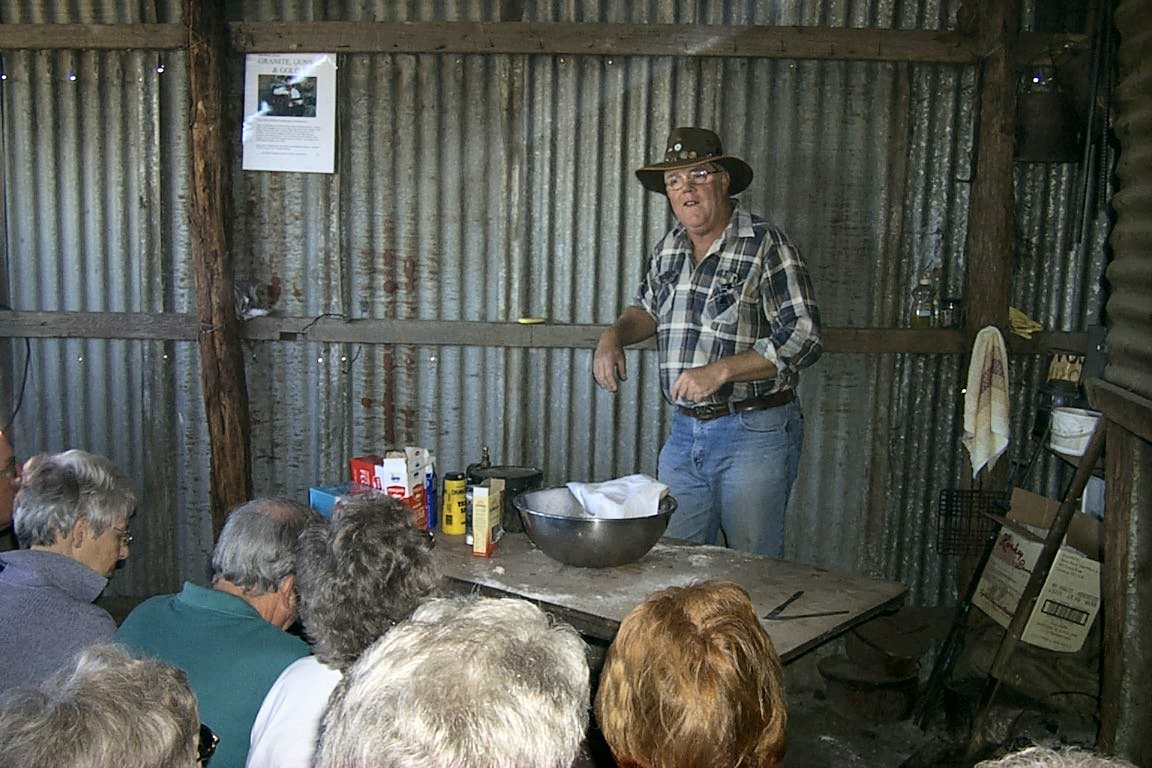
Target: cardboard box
(487,516)
(401,475)
(326,498)
(363,469)
(1070,598)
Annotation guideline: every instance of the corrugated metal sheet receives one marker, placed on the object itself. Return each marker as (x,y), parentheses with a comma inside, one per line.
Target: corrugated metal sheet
(1125,719)
(94,179)
(493,187)
(1130,305)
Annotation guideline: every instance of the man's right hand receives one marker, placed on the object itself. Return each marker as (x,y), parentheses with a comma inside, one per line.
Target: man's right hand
(609,363)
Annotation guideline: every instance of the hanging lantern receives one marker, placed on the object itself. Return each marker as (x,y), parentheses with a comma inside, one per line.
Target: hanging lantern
(1047,127)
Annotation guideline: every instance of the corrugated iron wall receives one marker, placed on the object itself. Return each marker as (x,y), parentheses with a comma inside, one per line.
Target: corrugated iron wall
(491,188)
(1125,717)
(1130,337)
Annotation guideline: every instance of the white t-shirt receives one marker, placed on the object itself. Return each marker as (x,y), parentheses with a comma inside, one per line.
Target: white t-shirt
(288,724)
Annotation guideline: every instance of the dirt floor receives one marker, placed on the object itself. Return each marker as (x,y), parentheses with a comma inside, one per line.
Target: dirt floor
(826,731)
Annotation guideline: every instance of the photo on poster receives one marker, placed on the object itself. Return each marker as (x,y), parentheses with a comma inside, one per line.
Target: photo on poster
(290,112)
(287,96)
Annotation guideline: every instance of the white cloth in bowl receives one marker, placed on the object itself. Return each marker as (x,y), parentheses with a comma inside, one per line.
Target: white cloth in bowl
(628,496)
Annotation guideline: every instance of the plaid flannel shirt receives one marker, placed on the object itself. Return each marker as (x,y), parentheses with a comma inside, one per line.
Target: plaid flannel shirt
(751,291)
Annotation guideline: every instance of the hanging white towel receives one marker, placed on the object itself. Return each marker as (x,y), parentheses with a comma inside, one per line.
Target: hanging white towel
(986,400)
(629,496)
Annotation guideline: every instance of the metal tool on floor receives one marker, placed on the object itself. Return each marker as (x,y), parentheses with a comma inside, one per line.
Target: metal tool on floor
(775,613)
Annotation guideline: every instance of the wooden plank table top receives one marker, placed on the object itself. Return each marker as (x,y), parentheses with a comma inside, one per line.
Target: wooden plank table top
(595,600)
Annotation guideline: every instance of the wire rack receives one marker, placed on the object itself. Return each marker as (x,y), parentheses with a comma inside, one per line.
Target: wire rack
(962,527)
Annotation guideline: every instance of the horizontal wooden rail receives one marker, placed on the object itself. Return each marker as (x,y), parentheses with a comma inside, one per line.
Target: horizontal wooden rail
(548,38)
(335,329)
(158,37)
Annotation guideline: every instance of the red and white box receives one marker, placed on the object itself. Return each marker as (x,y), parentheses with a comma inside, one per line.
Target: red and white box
(363,470)
(400,474)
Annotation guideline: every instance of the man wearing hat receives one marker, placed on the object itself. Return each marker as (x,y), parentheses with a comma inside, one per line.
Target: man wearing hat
(731,306)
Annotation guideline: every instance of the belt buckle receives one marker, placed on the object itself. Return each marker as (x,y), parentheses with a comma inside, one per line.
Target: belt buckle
(704,412)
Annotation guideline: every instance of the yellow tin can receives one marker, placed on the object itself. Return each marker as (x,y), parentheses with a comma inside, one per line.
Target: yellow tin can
(454,511)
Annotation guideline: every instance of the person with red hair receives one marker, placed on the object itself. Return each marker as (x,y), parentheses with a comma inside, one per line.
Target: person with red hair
(692,680)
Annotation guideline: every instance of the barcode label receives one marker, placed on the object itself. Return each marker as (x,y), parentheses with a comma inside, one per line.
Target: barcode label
(1065,612)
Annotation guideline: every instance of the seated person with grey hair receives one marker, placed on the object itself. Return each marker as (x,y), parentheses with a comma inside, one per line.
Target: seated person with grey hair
(105,709)
(465,683)
(1046,757)
(71,517)
(357,577)
(231,639)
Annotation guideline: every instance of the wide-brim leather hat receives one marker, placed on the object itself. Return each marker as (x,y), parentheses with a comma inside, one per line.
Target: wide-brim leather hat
(689,147)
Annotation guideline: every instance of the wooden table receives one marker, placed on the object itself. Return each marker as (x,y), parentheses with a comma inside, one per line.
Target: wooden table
(595,600)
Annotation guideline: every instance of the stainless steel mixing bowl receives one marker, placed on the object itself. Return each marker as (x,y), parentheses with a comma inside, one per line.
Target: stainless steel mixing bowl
(559,526)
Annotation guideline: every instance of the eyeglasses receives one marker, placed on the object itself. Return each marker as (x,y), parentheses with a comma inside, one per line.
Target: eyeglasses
(125,537)
(674,182)
(206,744)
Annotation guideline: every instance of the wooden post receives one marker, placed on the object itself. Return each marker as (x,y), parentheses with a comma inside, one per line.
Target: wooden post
(209,203)
(990,239)
(991,209)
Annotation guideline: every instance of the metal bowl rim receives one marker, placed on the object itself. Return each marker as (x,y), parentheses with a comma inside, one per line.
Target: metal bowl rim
(660,512)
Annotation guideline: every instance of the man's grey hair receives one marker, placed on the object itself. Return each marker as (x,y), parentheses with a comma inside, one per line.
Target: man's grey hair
(361,574)
(106,709)
(256,550)
(57,489)
(465,683)
(1045,757)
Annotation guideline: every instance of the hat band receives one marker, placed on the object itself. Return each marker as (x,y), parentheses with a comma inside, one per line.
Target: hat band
(673,155)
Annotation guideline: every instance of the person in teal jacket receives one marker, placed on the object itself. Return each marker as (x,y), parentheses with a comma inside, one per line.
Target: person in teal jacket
(231,639)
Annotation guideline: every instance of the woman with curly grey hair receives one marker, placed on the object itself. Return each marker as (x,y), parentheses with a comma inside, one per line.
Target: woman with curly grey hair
(357,577)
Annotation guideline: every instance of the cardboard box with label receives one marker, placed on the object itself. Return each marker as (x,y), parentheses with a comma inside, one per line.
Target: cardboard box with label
(401,474)
(363,469)
(487,516)
(1070,598)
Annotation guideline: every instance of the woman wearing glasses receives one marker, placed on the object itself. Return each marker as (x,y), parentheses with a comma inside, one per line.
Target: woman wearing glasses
(71,519)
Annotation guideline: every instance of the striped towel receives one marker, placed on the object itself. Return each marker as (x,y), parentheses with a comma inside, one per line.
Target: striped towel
(986,401)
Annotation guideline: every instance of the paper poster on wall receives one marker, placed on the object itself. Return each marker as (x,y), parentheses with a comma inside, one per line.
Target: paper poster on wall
(290,112)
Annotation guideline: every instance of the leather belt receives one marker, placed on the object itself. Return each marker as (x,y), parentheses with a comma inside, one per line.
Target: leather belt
(709,411)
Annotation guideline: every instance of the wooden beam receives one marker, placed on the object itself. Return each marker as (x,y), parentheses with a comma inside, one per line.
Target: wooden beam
(599,39)
(336,330)
(510,36)
(92,36)
(98,325)
(209,203)
(1127,409)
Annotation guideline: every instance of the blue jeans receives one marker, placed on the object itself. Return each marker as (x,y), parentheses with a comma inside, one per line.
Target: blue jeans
(735,474)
